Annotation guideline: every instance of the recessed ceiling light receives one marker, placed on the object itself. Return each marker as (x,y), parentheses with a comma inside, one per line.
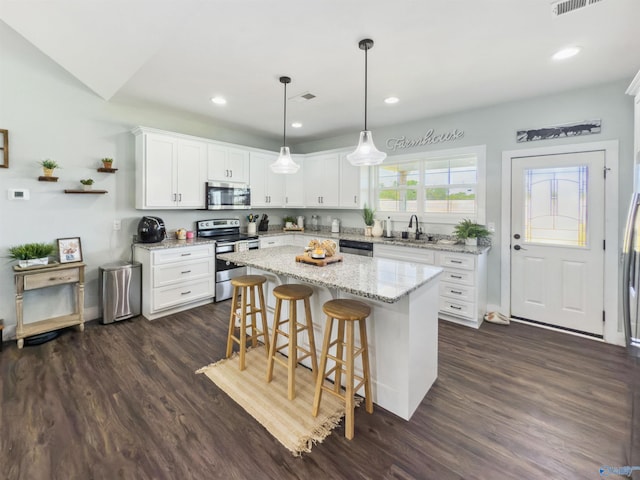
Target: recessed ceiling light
(296,125)
(566,53)
(219,100)
(391,100)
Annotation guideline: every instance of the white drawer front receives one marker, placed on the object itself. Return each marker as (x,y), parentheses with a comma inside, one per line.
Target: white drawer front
(173,273)
(460,309)
(466,262)
(171,296)
(458,292)
(460,277)
(180,254)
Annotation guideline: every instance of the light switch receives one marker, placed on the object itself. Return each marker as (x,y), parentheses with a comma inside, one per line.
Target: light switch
(18,194)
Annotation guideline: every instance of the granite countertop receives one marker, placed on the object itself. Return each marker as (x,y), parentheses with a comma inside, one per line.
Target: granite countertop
(173,243)
(376,278)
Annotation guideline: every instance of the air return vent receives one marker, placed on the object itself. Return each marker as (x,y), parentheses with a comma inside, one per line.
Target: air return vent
(568,6)
(303,97)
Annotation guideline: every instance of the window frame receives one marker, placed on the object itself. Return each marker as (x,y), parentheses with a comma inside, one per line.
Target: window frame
(480,152)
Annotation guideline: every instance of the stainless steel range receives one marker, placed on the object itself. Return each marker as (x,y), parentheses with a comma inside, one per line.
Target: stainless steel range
(226,233)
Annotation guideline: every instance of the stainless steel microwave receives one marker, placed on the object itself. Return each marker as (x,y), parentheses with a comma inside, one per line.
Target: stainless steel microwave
(228,196)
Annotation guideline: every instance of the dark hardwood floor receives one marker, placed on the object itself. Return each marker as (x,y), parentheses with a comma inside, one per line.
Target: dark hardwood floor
(123,401)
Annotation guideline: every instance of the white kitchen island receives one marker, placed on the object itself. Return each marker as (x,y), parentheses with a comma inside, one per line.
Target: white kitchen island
(403,325)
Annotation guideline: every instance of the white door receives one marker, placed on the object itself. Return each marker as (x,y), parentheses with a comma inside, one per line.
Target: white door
(557,240)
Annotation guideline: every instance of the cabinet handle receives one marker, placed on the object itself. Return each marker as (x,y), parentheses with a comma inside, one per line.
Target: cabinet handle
(186,271)
(186,293)
(231,173)
(455,308)
(456,276)
(174,197)
(455,261)
(185,254)
(286,199)
(456,292)
(226,173)
(179,197)
(355,199)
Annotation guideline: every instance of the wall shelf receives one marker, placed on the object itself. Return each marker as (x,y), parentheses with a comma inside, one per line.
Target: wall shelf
(47,179)
(85,191)
(107,170)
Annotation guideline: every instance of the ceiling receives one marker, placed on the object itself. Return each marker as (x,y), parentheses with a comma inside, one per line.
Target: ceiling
(437,57)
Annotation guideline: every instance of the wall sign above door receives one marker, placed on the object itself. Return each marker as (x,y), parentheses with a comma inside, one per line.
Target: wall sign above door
(428,138)
(586,127)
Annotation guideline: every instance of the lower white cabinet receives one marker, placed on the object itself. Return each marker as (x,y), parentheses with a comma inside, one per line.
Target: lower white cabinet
(463,283)
(176,279)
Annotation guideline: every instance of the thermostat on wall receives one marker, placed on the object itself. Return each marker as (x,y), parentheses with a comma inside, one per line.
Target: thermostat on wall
(18,194)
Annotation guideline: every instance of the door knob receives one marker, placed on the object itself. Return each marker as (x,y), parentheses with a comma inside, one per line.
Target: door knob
(518,247)
(516,236)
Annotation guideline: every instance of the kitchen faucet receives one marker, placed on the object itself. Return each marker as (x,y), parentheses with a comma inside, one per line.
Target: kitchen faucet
(418,231)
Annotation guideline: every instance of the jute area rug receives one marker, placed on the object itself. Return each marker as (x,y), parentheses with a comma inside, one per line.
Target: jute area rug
(289,421)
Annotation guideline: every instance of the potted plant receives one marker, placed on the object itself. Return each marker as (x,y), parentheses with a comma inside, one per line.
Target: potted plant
(87,184)
(368,216)
(470,231)
(107,162)
(288,221)
(48,166)
(31,254)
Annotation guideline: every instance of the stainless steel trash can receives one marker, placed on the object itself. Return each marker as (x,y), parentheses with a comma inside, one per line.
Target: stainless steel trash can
(120,290)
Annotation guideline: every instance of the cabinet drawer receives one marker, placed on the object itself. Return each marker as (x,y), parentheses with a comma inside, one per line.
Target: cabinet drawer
(40,280)
(172,273)
(460,277)
(180,254)
(466,262)
(459,292)
(460,309)
(167,297)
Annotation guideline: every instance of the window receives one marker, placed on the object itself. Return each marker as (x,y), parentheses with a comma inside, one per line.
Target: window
(440,187)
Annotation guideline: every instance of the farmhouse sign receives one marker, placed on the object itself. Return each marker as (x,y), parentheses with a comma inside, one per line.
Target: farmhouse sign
(428,138)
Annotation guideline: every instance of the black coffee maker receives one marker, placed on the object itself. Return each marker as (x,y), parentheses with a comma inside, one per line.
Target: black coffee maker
(151,230)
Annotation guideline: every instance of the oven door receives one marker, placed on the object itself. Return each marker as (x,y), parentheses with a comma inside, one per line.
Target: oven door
(227,196)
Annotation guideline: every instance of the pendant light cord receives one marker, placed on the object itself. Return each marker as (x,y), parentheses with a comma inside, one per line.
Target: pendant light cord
(284,125)
(366,50)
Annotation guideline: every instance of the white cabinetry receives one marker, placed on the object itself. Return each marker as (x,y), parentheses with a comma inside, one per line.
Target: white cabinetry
(321,180)
(267,188)
(272,241)
(170,171)
(353,184)
(294,185)
(463,283)
(227,164)
(175,279)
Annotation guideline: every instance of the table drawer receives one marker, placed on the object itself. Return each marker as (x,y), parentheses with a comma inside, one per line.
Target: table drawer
(180,254)
(459,277)
(49,279)
(172,273)
(178,294)
(465,262)
(458,308)
(459,292)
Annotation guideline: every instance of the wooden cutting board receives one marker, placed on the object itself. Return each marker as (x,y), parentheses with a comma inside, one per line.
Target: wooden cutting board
(320,262)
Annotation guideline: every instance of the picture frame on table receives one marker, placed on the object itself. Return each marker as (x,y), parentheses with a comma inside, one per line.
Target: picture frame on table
(69,250)
(4,148)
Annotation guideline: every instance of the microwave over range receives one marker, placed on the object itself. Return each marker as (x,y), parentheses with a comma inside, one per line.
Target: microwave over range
(227,196)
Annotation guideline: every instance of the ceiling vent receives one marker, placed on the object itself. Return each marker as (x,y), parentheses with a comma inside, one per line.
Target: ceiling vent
(303,97)
(568,6)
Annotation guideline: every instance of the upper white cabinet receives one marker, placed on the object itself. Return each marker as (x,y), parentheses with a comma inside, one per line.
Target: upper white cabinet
(353,184)
(321,180)
(227,164)
(170,171)
(634,89)
(267,188)
(294,185)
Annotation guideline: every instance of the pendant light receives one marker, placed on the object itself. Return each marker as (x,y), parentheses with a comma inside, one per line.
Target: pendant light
(366,154)
(284,163)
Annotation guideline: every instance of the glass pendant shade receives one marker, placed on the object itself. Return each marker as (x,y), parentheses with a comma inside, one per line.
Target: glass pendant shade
(366,153)
(284,163)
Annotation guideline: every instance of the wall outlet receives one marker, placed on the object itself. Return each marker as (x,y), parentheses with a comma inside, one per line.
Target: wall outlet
(117,225)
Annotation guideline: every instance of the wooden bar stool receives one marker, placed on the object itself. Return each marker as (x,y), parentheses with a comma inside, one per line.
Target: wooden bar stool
(243,303)
(347,312)
(292,293)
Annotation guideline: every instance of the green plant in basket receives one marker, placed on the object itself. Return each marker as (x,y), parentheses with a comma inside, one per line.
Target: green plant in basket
(289,219)
(31,251)
(88,181)
(469,229)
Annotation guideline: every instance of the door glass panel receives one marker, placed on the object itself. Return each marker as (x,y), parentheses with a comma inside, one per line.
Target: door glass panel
(555,207)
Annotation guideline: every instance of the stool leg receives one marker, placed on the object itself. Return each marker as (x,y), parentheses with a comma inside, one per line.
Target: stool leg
(365,365)
(263,315)
(243,329)
(323,366)
(254,324)
(339,355)
(312,342)
(349,407)
(292,361)
(234,305)
(274,340)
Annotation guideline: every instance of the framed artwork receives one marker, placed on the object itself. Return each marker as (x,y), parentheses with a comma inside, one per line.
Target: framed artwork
(69,250)
(585,127)
(4,148)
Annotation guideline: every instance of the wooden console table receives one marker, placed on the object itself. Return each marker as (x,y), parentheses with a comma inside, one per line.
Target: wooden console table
(48,277)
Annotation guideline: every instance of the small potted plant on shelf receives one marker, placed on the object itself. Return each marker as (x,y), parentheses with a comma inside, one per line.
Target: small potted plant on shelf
(87,184)
(107,162)
(48,166)
(368,216)
(31,254)
(470,231)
